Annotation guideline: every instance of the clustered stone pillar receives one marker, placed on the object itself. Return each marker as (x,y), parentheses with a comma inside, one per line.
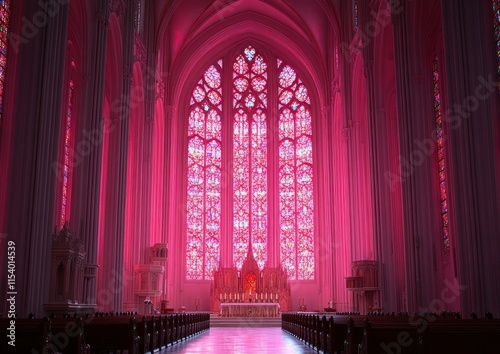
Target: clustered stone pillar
(35,140)
(473,183)
(86,175)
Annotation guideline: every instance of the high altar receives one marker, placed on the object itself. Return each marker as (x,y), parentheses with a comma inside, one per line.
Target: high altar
(234,288)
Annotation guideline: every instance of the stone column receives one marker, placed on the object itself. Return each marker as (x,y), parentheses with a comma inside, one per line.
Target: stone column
(87,172)
(406,135)
(473,187)
(30,199)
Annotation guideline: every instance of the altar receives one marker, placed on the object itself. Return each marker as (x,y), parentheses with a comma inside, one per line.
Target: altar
(237,309)
(250,291)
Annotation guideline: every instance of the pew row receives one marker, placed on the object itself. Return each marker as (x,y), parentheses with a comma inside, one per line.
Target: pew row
(331,333)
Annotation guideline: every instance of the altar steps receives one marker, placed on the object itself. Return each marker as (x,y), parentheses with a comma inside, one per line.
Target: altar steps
(216,321)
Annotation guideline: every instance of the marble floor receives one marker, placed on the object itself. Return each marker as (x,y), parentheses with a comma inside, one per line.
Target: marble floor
(241,341)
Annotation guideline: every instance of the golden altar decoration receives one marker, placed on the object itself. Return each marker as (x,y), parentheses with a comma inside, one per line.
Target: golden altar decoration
(250,285)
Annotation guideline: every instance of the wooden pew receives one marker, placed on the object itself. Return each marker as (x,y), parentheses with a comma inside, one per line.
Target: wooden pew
(389,335)
(112,333)
(154,344)
(172,329)
(68,335)
(144,336)
(31,335)
(337,333)
(162,331)
(461,336)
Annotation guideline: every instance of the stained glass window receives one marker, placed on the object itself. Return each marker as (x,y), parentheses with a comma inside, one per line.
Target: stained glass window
(4,28)
(441,156)
(257,160)
(204,176)
(496,23)
(356,14)
(65,195)
(250,156)
(295,176)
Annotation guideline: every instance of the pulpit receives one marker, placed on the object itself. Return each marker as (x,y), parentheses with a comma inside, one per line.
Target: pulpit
(250,291)
(364,286)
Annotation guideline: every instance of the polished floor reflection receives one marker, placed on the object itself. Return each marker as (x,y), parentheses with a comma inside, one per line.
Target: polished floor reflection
(241,341)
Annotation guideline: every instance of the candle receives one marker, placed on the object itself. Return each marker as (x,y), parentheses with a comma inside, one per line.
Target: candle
(225,296)
(230,295)
(237,296)
(220,296)
(266,296)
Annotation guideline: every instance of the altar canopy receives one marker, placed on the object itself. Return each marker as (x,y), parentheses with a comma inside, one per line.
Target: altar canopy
(250,285)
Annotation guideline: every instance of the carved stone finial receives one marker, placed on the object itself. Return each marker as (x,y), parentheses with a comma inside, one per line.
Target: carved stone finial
(117,6)
(139,51)
(160,88)
(103,17)
(127,73)
(170,111)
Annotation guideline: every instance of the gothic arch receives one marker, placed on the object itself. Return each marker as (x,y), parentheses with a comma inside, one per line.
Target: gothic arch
(199,54)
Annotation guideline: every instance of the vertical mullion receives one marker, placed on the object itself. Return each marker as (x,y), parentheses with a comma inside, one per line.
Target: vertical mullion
(295,194)
(250,156)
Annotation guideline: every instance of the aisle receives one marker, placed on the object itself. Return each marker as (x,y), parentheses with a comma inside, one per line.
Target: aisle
(242,341)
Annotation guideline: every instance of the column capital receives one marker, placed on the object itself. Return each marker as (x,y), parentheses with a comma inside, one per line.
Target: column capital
(103,17)
(346,134)
(160,88)
(398,10)
(418,79)
(127,73)
(335,85)
(374,5)
(368,67)
(170,111)
(116,6)
(325,115)
(325,111)
(139,51)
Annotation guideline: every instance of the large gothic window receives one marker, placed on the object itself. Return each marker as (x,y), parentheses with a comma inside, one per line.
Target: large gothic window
(250,157)
(441,156)
(270,166)
(4,28)
(295,176)
(496,23)
(204,175)
(66,189)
